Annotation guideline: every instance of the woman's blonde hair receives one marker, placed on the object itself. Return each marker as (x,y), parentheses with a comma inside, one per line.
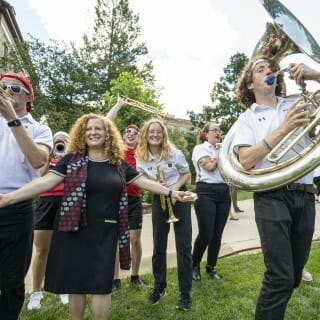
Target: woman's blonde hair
(201,137)
(246,96)
(142,150)
(113,148)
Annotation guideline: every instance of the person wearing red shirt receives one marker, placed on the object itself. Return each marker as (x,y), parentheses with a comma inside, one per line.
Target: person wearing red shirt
(135,211)
(48,208)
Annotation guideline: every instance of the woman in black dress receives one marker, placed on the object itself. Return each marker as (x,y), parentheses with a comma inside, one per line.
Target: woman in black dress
(93,214)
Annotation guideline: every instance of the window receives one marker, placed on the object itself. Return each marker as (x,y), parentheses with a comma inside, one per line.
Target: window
(183,130)
(5,54)
(170,128)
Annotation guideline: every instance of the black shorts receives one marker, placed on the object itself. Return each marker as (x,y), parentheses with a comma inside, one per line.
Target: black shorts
(135,213)
(46,213)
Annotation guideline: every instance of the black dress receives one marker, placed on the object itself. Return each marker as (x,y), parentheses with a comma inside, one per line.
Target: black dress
(83,262)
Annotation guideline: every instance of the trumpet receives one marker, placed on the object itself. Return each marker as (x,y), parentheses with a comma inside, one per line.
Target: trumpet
(59,148)
(6,94)
(60,144)
(144,107)
(165,200)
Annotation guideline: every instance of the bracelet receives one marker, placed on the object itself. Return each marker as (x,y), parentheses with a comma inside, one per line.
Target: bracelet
(267,145)
(170,194)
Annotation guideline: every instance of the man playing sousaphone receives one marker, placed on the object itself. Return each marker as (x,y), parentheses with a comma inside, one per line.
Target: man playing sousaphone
(284,216)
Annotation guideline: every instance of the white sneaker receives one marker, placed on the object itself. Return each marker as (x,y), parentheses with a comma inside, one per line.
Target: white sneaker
(306,275)
(35,301)
(64,298)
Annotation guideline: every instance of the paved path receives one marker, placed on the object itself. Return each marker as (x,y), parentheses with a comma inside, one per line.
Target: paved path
(238,235)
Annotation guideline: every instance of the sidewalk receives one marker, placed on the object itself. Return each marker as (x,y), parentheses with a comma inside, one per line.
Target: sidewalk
(238,235)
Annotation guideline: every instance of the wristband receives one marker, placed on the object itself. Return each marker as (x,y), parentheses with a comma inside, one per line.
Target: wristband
(170,193)
(14,123)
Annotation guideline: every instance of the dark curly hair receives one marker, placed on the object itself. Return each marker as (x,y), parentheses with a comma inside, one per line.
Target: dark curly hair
(246,96)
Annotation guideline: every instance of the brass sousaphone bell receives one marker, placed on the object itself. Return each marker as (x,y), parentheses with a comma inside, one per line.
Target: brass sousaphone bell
(285,37)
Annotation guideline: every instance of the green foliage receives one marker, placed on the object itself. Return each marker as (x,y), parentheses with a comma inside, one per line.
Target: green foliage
(114,45)
(233,297)
(185,143)
(244,195)
(57,77)
(69,81)
(225,108)
(132,86)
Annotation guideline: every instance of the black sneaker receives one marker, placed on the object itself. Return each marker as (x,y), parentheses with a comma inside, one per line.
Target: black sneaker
(116,284)
(184,303)
(138,281)
(212,274)
(156,296)
(196,276)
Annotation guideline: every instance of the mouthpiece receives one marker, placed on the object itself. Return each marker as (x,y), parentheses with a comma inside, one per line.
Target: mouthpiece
(270,80)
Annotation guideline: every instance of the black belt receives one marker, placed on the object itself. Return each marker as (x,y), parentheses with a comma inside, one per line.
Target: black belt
(301,187)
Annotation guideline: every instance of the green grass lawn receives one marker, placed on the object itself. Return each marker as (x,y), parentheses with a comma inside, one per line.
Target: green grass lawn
(232,298)
(244,195)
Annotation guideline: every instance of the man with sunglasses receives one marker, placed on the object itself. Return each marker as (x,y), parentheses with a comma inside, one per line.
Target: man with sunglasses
(24,148)
(135,210)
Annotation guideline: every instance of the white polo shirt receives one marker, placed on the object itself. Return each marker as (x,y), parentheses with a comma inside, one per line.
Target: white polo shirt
(258,122)
(204,150)
(173,167)
(16,170)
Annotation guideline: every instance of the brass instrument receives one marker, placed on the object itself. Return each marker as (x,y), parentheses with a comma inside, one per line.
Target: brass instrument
(144,107)
(286,37)
(6,94)
(165,200)
(60,144)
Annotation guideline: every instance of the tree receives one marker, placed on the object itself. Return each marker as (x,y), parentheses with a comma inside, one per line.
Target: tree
(225,108)
(70,81)
(57,76)
(130,85)
(113,47)
(185,142)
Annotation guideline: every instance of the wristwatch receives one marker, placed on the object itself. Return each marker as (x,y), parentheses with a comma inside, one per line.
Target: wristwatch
(14,123)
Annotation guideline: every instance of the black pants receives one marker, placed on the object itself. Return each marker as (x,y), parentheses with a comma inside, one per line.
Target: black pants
(316,181)
(183,239)
(15,256)
(212,210)
(285,221)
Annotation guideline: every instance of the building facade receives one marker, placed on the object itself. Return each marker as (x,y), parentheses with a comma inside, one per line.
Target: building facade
(181,126)
(10,33)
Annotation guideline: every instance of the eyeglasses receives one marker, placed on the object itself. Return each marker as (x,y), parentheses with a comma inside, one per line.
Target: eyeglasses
(14,88)
(215,130)
(132,132)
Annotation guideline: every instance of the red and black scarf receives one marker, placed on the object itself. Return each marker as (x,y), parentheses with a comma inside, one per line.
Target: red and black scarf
(73,214)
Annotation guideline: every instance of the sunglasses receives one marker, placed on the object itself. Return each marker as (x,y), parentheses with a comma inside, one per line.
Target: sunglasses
(14,88)
(132,132)
(215,130)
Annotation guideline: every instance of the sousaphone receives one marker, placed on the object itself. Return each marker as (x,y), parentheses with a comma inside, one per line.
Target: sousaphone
(286,36)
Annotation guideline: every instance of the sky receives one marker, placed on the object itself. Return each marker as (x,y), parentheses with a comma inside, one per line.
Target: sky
(189,41)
